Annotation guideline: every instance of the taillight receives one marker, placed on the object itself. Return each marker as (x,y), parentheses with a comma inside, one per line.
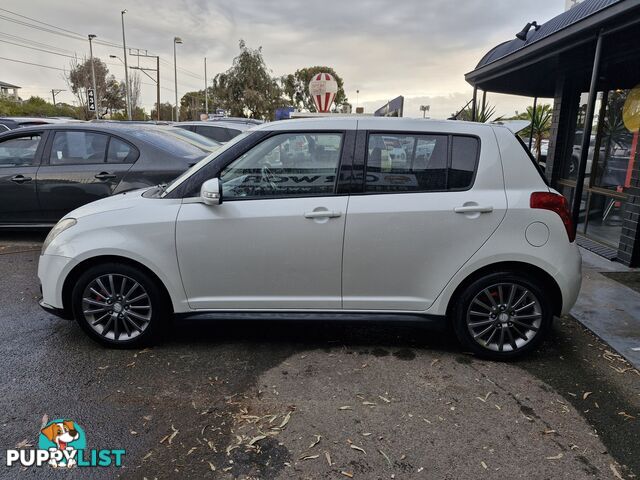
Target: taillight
(555,203)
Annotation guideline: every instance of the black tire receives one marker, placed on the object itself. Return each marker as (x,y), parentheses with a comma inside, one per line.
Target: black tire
(127,331)
(541,315)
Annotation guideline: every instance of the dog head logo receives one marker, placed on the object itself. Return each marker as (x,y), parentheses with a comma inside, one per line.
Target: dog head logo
(63,435)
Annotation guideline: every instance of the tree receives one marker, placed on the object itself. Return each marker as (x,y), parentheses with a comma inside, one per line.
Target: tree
(192,105)
(247,89)
(79,80)
(36,107)
(484,114)
(540,124)
(114,99)
(166,111)
(296,88)
(135,90)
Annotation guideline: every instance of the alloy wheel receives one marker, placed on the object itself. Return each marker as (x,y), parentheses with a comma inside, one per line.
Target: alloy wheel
(116,306)
(504,317)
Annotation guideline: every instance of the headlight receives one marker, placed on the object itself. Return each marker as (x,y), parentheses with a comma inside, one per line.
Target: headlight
(60,227)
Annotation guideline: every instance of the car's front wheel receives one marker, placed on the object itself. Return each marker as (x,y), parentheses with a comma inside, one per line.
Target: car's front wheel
(502,315)
(118,305)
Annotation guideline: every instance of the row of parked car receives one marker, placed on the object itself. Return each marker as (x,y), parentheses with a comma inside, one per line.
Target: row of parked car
(50,166)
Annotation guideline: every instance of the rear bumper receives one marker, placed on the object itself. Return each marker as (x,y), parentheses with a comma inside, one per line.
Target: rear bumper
(59,312)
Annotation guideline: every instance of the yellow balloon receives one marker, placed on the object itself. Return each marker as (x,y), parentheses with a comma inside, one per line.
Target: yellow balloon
(631,110)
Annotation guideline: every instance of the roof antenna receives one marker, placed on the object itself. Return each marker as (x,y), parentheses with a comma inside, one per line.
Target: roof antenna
(522,34)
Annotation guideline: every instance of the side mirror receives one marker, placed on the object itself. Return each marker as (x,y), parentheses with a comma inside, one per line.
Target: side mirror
(211,192)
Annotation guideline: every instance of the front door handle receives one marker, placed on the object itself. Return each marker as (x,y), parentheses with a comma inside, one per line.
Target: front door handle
(473,209)
(104,176)
(322,214)
(20,179)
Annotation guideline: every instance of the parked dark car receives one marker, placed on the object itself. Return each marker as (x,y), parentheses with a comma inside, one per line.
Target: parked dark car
(48,170)
(8,124)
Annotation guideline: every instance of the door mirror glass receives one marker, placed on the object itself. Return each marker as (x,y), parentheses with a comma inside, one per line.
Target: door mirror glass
(211,192)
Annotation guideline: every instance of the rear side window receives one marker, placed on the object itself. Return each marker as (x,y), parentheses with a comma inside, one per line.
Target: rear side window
(218,134)
(121,152)
(398,163)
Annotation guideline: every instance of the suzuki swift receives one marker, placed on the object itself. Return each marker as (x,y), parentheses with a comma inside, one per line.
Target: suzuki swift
(323,217)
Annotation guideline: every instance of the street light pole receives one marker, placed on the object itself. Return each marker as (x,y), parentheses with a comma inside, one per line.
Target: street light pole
(206,97)
(126,68)
(176,40)
(93,76)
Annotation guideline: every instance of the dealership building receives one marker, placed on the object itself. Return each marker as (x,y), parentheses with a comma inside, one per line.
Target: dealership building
(588,60)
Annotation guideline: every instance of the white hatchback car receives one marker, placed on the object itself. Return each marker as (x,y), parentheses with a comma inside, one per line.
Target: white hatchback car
(463,230)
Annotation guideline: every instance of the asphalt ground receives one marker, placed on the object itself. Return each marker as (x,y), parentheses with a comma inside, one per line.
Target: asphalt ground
(298,400)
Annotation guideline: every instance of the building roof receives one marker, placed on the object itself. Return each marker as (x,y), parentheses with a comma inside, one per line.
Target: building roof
(565,42)
(576,14)
(8,85)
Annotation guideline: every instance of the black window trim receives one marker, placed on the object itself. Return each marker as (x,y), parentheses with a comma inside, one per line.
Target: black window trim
(449,135)
(190,187)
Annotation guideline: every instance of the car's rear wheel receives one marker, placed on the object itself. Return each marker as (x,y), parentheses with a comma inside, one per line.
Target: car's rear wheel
(503,315)
(119,305)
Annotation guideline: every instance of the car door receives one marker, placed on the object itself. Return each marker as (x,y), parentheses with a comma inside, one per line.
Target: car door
(418,216)
(80,166)
(276,240)
(19,160)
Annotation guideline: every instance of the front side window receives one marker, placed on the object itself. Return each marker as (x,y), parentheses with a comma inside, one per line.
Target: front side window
(291,164)
(19,151)
(77,148)
(398,163)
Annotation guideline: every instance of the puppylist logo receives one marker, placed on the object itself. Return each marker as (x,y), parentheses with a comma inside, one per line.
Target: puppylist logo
(62,444)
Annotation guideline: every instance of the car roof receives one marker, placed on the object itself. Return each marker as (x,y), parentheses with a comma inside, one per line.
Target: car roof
(219,124)
(374,123)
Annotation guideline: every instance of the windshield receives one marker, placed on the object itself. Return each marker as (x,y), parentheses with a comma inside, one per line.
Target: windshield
(206,160)
(199,140)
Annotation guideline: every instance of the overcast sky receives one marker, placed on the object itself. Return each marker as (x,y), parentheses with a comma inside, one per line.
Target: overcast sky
(384,48)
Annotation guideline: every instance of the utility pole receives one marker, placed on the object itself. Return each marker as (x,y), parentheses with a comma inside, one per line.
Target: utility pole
(93,76)
(206,97)
(126,68)
(145,70)
(176,40)
(54,92)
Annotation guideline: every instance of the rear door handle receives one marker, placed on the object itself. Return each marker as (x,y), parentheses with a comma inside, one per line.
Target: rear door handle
(473,209)
(322,214)
(20,179)
(104,176)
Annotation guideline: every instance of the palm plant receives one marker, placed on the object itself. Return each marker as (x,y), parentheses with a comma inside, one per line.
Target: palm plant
(540,124)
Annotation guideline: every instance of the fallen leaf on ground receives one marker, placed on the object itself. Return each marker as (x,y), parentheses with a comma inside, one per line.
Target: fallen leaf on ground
(384,399)
(485,398)
(212,466)
(385,456)
(556,457)
(586,395)
(173,435)
(484,465)
(347,474)
(615,472)
(355,447)
(346,407)
(328,457)
(309,457)
(24,443)
(316,441)
(285,421)
(257,439)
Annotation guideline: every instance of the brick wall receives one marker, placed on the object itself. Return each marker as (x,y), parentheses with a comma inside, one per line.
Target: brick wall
(629,248)
(563,124)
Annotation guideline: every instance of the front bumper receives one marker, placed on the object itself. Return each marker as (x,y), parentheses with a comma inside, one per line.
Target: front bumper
(52,272)
(59,312)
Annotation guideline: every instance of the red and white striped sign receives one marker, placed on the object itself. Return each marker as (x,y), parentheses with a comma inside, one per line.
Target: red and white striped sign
(323,89)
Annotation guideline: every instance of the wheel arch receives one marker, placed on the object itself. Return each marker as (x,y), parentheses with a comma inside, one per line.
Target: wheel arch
(84,265)
(547,281)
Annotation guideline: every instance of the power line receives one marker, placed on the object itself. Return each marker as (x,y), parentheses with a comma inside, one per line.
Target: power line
(36,48)
(33,42)
(29,63)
